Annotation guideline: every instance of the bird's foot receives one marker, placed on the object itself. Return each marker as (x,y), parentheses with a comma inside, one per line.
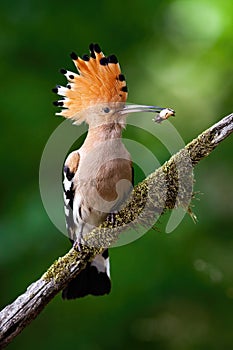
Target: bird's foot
(111,218)
(77,245)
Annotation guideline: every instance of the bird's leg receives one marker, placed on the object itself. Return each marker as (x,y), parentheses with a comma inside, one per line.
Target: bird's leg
(78,241)
(77,246)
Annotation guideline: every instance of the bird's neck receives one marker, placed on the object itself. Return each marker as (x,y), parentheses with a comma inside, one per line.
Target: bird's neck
(103,132)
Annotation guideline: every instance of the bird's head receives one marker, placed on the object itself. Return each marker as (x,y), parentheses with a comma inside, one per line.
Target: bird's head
(98,92)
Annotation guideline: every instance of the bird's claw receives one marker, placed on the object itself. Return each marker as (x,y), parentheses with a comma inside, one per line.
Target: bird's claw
(77,246)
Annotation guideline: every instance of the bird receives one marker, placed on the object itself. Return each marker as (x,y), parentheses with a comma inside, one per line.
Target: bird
(98,177)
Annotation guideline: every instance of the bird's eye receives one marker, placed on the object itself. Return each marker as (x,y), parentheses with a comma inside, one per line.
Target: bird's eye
(106,110)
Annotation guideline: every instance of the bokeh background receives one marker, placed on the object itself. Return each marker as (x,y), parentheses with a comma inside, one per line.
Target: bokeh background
(170,291)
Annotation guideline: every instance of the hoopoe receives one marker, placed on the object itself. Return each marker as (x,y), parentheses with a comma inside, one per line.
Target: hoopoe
(98,176)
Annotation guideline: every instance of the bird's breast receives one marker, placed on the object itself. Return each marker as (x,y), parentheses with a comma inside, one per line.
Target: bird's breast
(104,176)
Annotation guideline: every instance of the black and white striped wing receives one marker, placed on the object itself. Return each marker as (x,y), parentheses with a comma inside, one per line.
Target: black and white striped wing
(69,171)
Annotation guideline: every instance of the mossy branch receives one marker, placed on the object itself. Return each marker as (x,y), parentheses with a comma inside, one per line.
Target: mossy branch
(168,187)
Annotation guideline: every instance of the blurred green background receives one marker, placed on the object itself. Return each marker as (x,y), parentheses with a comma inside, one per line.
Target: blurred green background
(170,291)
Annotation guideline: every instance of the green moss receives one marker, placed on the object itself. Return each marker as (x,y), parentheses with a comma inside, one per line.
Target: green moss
(61,265)
(201,147)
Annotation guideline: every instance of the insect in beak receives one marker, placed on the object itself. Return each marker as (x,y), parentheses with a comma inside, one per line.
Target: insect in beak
(161,113)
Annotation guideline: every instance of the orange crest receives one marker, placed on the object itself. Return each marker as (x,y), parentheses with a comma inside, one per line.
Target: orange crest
(99,80)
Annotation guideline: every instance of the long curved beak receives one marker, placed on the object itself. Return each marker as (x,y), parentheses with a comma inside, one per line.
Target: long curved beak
(130,108)
(164,113)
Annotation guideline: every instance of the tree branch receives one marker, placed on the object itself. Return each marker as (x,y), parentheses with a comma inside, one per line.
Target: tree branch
(168,187)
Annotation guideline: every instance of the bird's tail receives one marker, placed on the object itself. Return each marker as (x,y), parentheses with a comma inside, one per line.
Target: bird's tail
(94,279)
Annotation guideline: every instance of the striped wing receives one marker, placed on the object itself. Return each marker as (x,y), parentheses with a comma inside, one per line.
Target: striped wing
(70,169)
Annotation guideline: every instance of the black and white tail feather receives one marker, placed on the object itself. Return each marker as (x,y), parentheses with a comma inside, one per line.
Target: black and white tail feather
(94,279)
